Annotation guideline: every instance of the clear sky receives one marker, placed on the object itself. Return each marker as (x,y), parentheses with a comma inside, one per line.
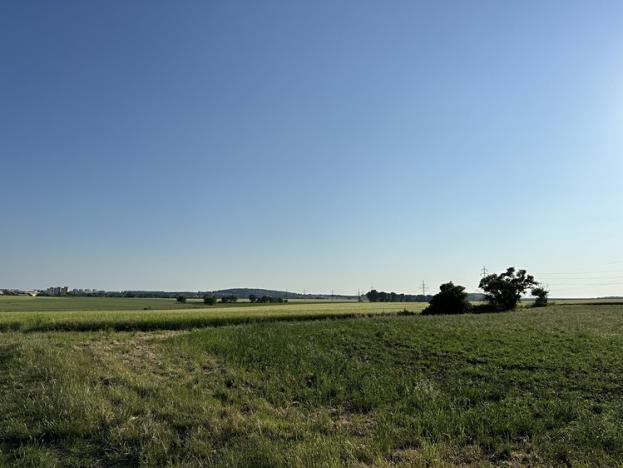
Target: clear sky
(311,145)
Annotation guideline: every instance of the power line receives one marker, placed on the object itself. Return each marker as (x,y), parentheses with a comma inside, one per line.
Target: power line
(577,273)
(581,278)
(569,285)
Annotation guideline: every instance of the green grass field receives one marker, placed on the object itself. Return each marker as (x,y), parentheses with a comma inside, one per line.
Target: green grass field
(540,387)
(92,314)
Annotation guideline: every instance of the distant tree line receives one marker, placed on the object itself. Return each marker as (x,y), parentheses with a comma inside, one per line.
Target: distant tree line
(10,292)
(382,296)
(266,299)
(139,294)
(242,292)
(211,299)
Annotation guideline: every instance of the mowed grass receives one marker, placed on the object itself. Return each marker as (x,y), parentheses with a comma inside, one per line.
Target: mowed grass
(144,320)
(537,387)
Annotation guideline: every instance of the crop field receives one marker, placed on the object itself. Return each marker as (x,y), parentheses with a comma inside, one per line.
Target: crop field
(88,304)
(110,314)
(327,384)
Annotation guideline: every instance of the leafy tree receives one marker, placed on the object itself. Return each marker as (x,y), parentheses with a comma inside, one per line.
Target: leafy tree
(252,298)
(451,299)
(541,297)
(181,299)
(505,290)
(373,296)
(209,299)
(228,299)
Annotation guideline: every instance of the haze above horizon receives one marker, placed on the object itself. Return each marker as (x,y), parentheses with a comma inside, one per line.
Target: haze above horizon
(311,146)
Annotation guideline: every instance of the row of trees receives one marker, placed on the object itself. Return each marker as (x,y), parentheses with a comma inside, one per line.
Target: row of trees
(382,296)
(229,299)
(211,299)
(502,292)
(266,299)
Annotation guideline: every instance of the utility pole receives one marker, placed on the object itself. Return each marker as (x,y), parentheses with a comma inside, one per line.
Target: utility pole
(424,288)
(484,271)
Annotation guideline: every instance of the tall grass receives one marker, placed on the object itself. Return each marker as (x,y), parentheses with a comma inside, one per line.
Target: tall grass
(528,387)
(145,320)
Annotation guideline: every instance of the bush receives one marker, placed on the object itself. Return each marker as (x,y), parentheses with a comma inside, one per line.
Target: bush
(450,299)
(481,309)
(541,297)
(209,299)
(180,299)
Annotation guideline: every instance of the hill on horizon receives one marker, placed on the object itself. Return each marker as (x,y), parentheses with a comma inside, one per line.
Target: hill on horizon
(259,292)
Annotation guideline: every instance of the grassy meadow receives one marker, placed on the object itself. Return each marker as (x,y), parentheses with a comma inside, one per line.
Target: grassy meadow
(92,314)
(272,387)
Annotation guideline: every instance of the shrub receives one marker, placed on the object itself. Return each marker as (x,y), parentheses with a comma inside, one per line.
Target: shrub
(450,299)
(541,297)
(209,299)
(180,299)
(481,308)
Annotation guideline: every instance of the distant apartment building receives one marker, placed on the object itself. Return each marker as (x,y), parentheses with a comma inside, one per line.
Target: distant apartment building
(57,291)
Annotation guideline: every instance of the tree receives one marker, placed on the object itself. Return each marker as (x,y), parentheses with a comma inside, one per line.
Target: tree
(505,290)
(209,299)
(181,299)
(382,296)
(541,297)
(373,296)
(252,298)
(228,299)
(451,299)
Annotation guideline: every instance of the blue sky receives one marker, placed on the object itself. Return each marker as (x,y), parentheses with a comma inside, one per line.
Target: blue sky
(311,145)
